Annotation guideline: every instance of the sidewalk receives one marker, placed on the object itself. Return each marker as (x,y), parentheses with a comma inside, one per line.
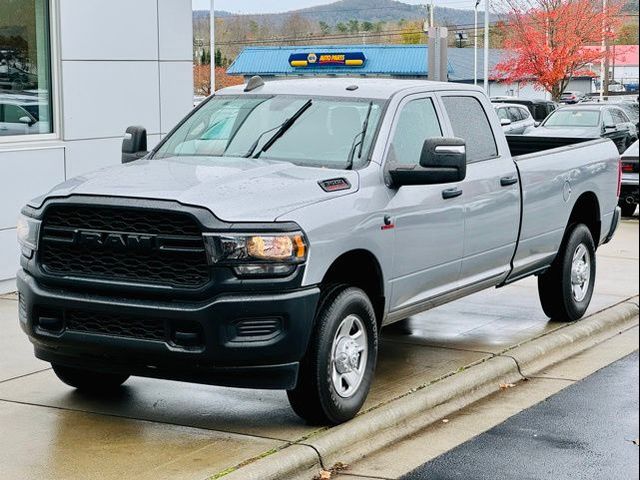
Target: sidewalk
(158,429)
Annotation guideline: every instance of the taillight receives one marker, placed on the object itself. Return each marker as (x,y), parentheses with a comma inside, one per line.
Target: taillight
(627,167)
(619,178)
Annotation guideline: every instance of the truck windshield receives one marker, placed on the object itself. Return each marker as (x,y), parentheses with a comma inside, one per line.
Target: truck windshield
(573,118)
(326,132)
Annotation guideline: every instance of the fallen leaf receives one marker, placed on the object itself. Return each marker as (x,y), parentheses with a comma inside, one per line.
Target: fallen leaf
(325,475)
(506,386)
(339,467)
(445,420)
(636,442)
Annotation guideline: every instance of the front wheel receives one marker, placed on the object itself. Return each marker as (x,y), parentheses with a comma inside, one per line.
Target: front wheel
(567,287)
(337,371)
(89,381)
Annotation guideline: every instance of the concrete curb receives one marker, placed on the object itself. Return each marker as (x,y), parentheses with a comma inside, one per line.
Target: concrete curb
(400,418)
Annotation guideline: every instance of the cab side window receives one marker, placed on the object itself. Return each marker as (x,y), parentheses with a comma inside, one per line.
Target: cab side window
(418,121)
(469,122)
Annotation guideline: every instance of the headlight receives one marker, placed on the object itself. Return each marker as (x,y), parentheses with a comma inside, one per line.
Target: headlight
(257,255)
(28,230)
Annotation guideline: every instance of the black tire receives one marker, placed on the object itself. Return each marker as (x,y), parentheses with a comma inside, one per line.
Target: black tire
(316,399)
(628,209)
(555,286)
(89,381)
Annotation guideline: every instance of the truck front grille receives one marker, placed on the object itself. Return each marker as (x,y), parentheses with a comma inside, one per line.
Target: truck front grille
(120,244)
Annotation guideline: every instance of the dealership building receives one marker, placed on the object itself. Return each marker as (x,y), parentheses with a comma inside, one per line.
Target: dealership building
(73,75)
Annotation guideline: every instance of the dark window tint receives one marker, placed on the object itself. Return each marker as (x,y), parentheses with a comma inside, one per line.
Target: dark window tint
(469,122)
(417,122)
(515,114)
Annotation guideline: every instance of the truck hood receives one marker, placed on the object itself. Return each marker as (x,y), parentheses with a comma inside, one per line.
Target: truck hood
(233,189)
(561,132)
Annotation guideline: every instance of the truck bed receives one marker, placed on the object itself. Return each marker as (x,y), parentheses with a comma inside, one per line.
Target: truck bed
(552,179)
(524,145)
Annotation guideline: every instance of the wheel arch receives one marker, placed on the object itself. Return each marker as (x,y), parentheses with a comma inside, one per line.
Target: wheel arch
(360,268)
(586,210)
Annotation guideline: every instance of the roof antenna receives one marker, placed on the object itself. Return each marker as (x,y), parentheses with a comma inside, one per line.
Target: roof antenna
(254,82)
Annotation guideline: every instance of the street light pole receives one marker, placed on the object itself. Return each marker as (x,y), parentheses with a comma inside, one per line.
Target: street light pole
(604,49)
(475,45)
(487,6)
(212,46)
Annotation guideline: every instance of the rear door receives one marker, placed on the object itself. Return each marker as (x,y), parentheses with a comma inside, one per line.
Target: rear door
(429,228)
(491,191)
(614,130)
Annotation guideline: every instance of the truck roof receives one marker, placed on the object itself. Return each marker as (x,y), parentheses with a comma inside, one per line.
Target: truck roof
(375,88)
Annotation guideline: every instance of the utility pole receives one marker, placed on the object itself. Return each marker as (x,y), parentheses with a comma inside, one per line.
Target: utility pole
(475,44)
(438,54)
(487,6)
(604,50)
(432,15)
(212,45)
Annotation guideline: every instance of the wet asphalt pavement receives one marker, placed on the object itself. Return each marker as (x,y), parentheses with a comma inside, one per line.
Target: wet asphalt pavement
(584,432)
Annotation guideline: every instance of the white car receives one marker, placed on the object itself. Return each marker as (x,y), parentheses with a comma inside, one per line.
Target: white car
(20,115)
(515,119)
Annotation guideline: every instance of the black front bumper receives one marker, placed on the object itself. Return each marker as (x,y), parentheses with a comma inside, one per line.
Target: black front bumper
(253,340)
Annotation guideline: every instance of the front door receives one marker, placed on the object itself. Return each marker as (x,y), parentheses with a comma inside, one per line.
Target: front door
(429,225)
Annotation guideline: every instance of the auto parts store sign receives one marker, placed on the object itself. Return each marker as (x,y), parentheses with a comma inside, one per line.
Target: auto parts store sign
(303,60)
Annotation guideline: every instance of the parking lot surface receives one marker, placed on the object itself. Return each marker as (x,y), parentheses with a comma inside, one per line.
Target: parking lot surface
(156,429)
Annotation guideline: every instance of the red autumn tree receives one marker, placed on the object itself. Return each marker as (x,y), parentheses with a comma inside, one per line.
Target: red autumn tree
(546,39)
(202,79)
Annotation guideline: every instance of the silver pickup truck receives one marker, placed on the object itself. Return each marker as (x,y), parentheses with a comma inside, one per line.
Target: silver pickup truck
(272,234)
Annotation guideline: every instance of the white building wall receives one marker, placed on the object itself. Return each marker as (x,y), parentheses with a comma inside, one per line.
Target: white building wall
(116,64)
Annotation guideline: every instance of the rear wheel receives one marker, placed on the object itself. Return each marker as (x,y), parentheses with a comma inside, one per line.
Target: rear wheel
(567,287)
(89,381)
(337,371)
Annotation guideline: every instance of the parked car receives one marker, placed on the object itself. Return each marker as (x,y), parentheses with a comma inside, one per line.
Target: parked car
(19,115)
(631,109)
(572,97)
(337,207)
(629,196)
(539,109)
(515,119)
(589,120)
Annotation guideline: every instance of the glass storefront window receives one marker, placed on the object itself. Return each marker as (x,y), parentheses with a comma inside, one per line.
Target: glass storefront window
(25,68)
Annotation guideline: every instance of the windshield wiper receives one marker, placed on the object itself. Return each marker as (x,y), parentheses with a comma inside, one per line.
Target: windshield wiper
(361,135)
(257,142)
(288,123)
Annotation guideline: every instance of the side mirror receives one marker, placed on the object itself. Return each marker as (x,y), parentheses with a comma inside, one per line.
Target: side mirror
(443,160)
(537,124)
(134,144)
(609,127)
(505,121)
(26,120)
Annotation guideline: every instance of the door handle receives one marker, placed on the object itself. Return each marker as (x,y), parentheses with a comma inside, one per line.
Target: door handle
(508,181)
(451,193)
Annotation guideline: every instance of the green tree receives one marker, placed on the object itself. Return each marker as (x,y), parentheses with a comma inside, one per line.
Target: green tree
(218,58)
(341,27)
(354,26)
(325,28)
(368,26)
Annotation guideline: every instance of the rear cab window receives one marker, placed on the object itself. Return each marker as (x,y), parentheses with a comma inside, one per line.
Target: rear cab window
(469,122)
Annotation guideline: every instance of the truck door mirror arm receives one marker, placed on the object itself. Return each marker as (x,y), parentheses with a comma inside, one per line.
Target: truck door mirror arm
(134,144)
(443,160)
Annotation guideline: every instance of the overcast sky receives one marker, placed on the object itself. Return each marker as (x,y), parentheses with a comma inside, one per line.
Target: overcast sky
(272,6)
